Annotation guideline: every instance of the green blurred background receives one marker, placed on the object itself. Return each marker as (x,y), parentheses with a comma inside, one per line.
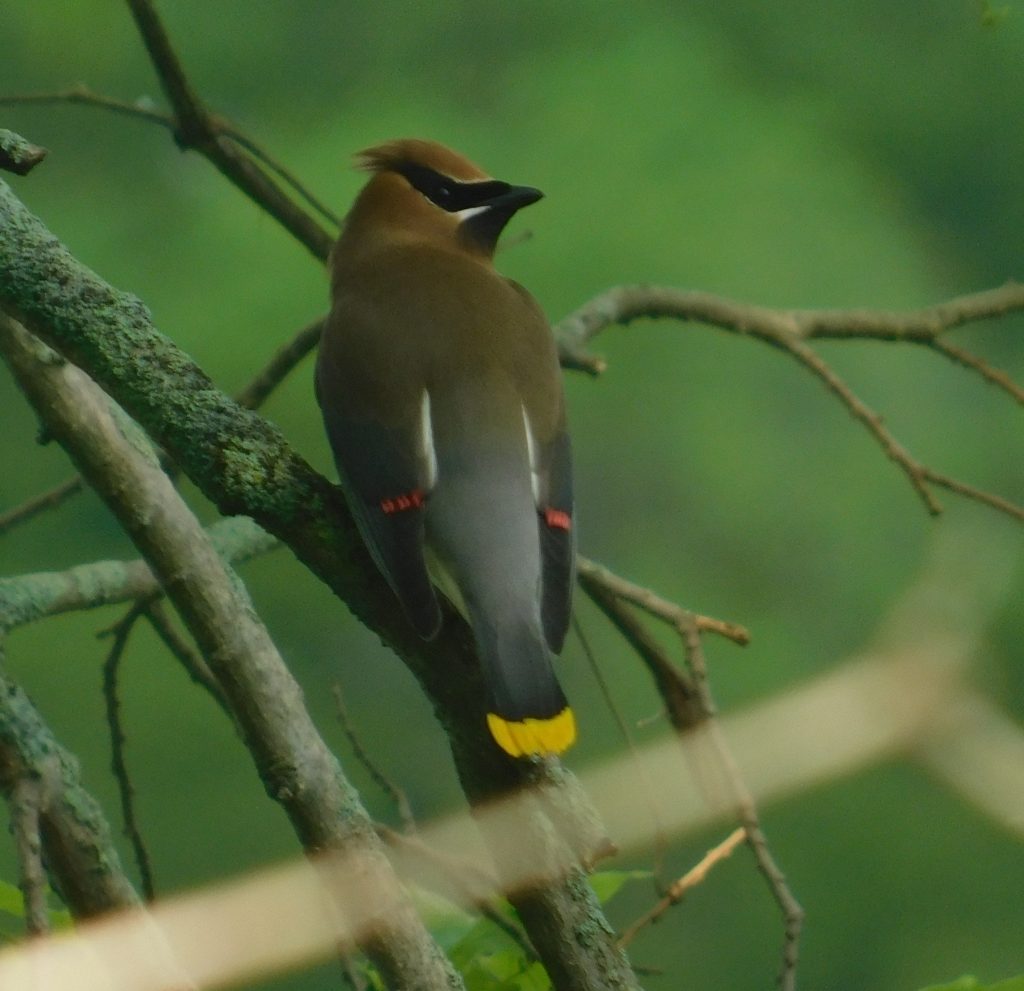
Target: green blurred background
(799,154)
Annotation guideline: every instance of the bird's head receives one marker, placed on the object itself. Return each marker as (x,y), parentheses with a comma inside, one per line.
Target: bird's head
(421,189)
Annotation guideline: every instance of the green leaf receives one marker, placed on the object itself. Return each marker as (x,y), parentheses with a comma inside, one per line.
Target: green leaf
(446,921)
(11,901)
(606,884)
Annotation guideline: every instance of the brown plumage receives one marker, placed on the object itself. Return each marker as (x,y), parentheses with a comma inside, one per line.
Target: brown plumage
(442,397)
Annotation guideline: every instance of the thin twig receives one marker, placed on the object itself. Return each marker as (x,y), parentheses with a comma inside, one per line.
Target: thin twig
(996,376)
(913,469)
(26,802)
(682,702)
(382,781)
(190,660)
(38,504)
(659,836)
(650,602)
(979,495)
(281,363)
(143,109)
(678,889)
(196,128)
(122,631)
(746,810)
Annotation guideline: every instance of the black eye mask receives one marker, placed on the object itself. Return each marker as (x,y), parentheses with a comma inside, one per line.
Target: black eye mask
(451,194)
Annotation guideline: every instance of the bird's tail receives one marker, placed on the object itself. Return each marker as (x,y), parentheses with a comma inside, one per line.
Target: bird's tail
(528,714)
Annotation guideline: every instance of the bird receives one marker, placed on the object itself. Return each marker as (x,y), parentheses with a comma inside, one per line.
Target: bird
(439,384)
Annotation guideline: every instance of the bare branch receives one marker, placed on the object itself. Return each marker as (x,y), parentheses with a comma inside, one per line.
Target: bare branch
(81,94)
(789,330)
(29,598)
(40,503)
(196,128)
(121,631)
(678,889)
(911,467)
(397,795)
(143,109)
(623,304)
(996,376)
(193,663)
(739,795)
(650,602)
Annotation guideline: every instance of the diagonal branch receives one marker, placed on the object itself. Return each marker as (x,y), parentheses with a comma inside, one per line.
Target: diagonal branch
(296,766)
(197,129)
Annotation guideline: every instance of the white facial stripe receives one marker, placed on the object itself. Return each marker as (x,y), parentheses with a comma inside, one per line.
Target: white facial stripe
(471,211)
(427,441)
(531,451)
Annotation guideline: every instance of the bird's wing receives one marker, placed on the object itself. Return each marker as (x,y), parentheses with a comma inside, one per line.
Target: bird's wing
(551,463)
(386,473)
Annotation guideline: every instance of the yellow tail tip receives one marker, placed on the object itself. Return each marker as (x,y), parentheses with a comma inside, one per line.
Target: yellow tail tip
(534,737)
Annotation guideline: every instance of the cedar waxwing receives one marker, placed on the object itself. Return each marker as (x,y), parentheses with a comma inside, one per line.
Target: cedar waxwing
(442,397)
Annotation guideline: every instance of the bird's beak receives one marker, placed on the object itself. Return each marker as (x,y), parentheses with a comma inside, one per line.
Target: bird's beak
(515,198)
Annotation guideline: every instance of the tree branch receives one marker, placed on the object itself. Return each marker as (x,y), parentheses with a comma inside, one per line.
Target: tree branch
(79,853)
(26,802)
(40,503)
(18,155)
(789,330)
(297,768)
(196,128)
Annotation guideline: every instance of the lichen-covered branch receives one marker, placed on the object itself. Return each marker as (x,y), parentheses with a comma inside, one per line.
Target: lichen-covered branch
(295,764)
(28,598)
(18,155)
(79,853)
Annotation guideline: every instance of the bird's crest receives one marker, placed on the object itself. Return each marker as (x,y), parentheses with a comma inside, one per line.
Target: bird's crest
(394,156)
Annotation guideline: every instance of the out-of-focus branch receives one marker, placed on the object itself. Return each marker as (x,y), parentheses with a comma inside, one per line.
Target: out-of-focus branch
(789,331)
(296,766)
